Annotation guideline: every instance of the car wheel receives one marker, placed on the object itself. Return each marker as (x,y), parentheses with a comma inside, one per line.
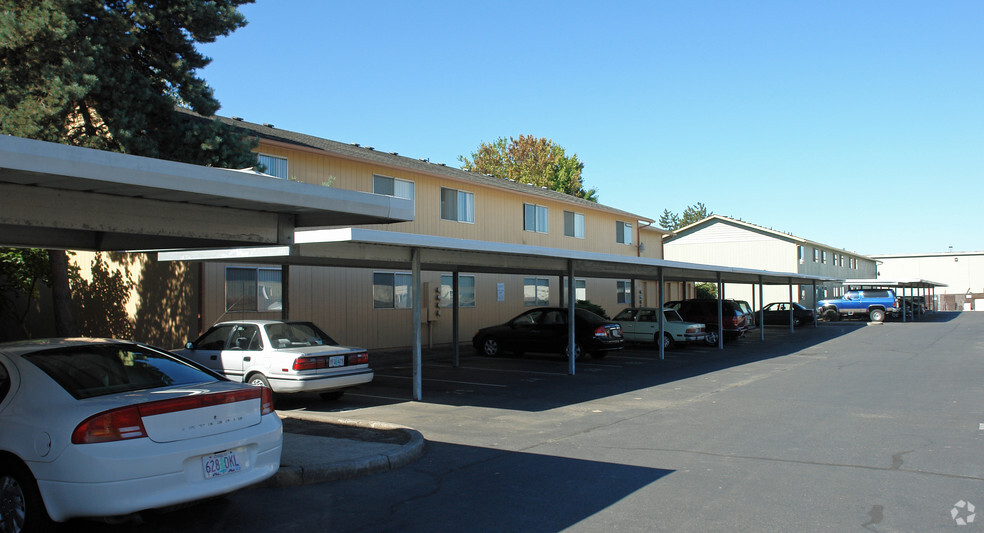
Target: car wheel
(667,340)
(876,315)
(21,507)
(578,351)
(831,315)
(490,347)
(332,394)
(258,380)
(711,339)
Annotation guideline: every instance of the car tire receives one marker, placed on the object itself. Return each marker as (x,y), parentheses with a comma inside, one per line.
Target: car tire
(667,340)
(490,347)
(21,506)
(876,315)
(332,394)
(578,350)
(258,380)
(711,339)
(831,315)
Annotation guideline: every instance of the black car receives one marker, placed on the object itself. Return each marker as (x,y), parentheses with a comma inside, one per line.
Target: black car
(734,318)
(777,313)
(544,329)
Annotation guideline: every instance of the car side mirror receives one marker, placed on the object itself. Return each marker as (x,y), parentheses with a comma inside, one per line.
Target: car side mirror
(189,345)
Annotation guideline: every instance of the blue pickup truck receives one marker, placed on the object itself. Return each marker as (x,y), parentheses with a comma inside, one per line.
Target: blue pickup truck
(873,304)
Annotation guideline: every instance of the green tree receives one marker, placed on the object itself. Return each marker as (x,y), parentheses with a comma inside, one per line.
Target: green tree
(539,162)
(706,290)
(108,74)
(21,271)
(694,213)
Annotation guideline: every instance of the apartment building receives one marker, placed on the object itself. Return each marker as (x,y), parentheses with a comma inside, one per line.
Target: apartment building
(720,240)
(370,306)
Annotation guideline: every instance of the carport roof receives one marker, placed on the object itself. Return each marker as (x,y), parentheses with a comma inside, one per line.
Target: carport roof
(358,247)
(911,283)
(63,196)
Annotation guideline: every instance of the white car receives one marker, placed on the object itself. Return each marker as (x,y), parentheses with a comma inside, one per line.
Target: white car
(105,428)
(285,356)
(639,325)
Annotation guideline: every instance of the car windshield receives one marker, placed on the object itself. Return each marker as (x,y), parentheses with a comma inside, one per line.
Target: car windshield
(672,316)
(92,370)
(297,334)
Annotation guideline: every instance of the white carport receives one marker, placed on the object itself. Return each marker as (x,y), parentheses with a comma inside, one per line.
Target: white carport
(357,247)
(916,287)
(59,196)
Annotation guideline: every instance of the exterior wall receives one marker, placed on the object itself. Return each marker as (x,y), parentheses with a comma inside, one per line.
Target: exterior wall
(962,272)
(732,243)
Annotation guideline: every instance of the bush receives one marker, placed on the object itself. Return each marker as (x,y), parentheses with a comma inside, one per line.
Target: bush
(594,308)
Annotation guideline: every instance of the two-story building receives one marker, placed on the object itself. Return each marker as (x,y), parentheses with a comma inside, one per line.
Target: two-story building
(720,240)
(370,306)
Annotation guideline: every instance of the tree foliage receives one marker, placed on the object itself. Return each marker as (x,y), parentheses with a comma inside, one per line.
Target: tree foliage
(21,272)
(692,214)
(107,74)
(539,162)
(706,290)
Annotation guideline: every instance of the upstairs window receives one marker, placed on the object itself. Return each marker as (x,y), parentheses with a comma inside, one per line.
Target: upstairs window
(573,224)
(458,206)
(623,232)
(800,253)
(816,255)
(535,218)
(824,257)
(272,165)
(392,187)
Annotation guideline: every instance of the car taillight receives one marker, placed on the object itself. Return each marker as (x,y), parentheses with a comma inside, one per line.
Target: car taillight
(308,363)
(118,424)
(127,422)
(266,401)
(358,358)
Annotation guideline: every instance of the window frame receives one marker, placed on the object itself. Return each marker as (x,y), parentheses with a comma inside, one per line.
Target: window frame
(266,168)
(446,302)
(537,285)
(623,232)
(460,195)
(396,301)
(623,292)
(257,296)
(572,230)
(533,224)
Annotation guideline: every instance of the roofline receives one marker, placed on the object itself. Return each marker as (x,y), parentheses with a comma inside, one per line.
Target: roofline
(927,254)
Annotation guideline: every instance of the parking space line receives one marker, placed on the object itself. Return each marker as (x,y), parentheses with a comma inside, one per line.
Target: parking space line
(445,381)
(512,371)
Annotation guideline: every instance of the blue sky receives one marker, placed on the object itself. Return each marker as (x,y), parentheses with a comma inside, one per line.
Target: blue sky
(829,120)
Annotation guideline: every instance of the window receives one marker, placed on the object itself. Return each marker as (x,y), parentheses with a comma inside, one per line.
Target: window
(623,292)
(623,232)
(272,165)
(535,218)
(824,257)
(466,290)
(835,259)
(580,289)
(457,205)
(816,255)
(573,224)
(392,187)
(4,382)
(253,289)
(800,253)
(536,291)
(391,290)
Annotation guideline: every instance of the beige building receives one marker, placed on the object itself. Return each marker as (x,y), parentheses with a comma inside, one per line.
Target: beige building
(719,240)
(370,306)
(962,272)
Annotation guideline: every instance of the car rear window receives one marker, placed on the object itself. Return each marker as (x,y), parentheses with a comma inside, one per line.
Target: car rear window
(100,369)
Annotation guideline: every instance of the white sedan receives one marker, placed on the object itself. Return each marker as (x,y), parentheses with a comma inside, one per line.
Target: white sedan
(639,325)
(286,356)
(105,428)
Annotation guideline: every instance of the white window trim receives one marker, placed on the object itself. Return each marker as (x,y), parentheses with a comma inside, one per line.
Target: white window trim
(574,234)
(458,196)
(536,218)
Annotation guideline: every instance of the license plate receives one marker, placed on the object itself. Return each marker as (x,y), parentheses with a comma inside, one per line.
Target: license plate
(336,361)
(220,464)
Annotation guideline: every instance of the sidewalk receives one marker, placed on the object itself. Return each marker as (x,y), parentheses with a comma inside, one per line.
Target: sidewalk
(319,448)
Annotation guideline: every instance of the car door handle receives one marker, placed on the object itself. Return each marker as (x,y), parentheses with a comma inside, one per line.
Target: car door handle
(247,358)
(214,357)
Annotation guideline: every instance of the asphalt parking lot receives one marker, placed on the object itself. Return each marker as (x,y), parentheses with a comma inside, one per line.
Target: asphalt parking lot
(844,427)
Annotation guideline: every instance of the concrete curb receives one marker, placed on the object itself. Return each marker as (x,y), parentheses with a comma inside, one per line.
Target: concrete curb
(371,463)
